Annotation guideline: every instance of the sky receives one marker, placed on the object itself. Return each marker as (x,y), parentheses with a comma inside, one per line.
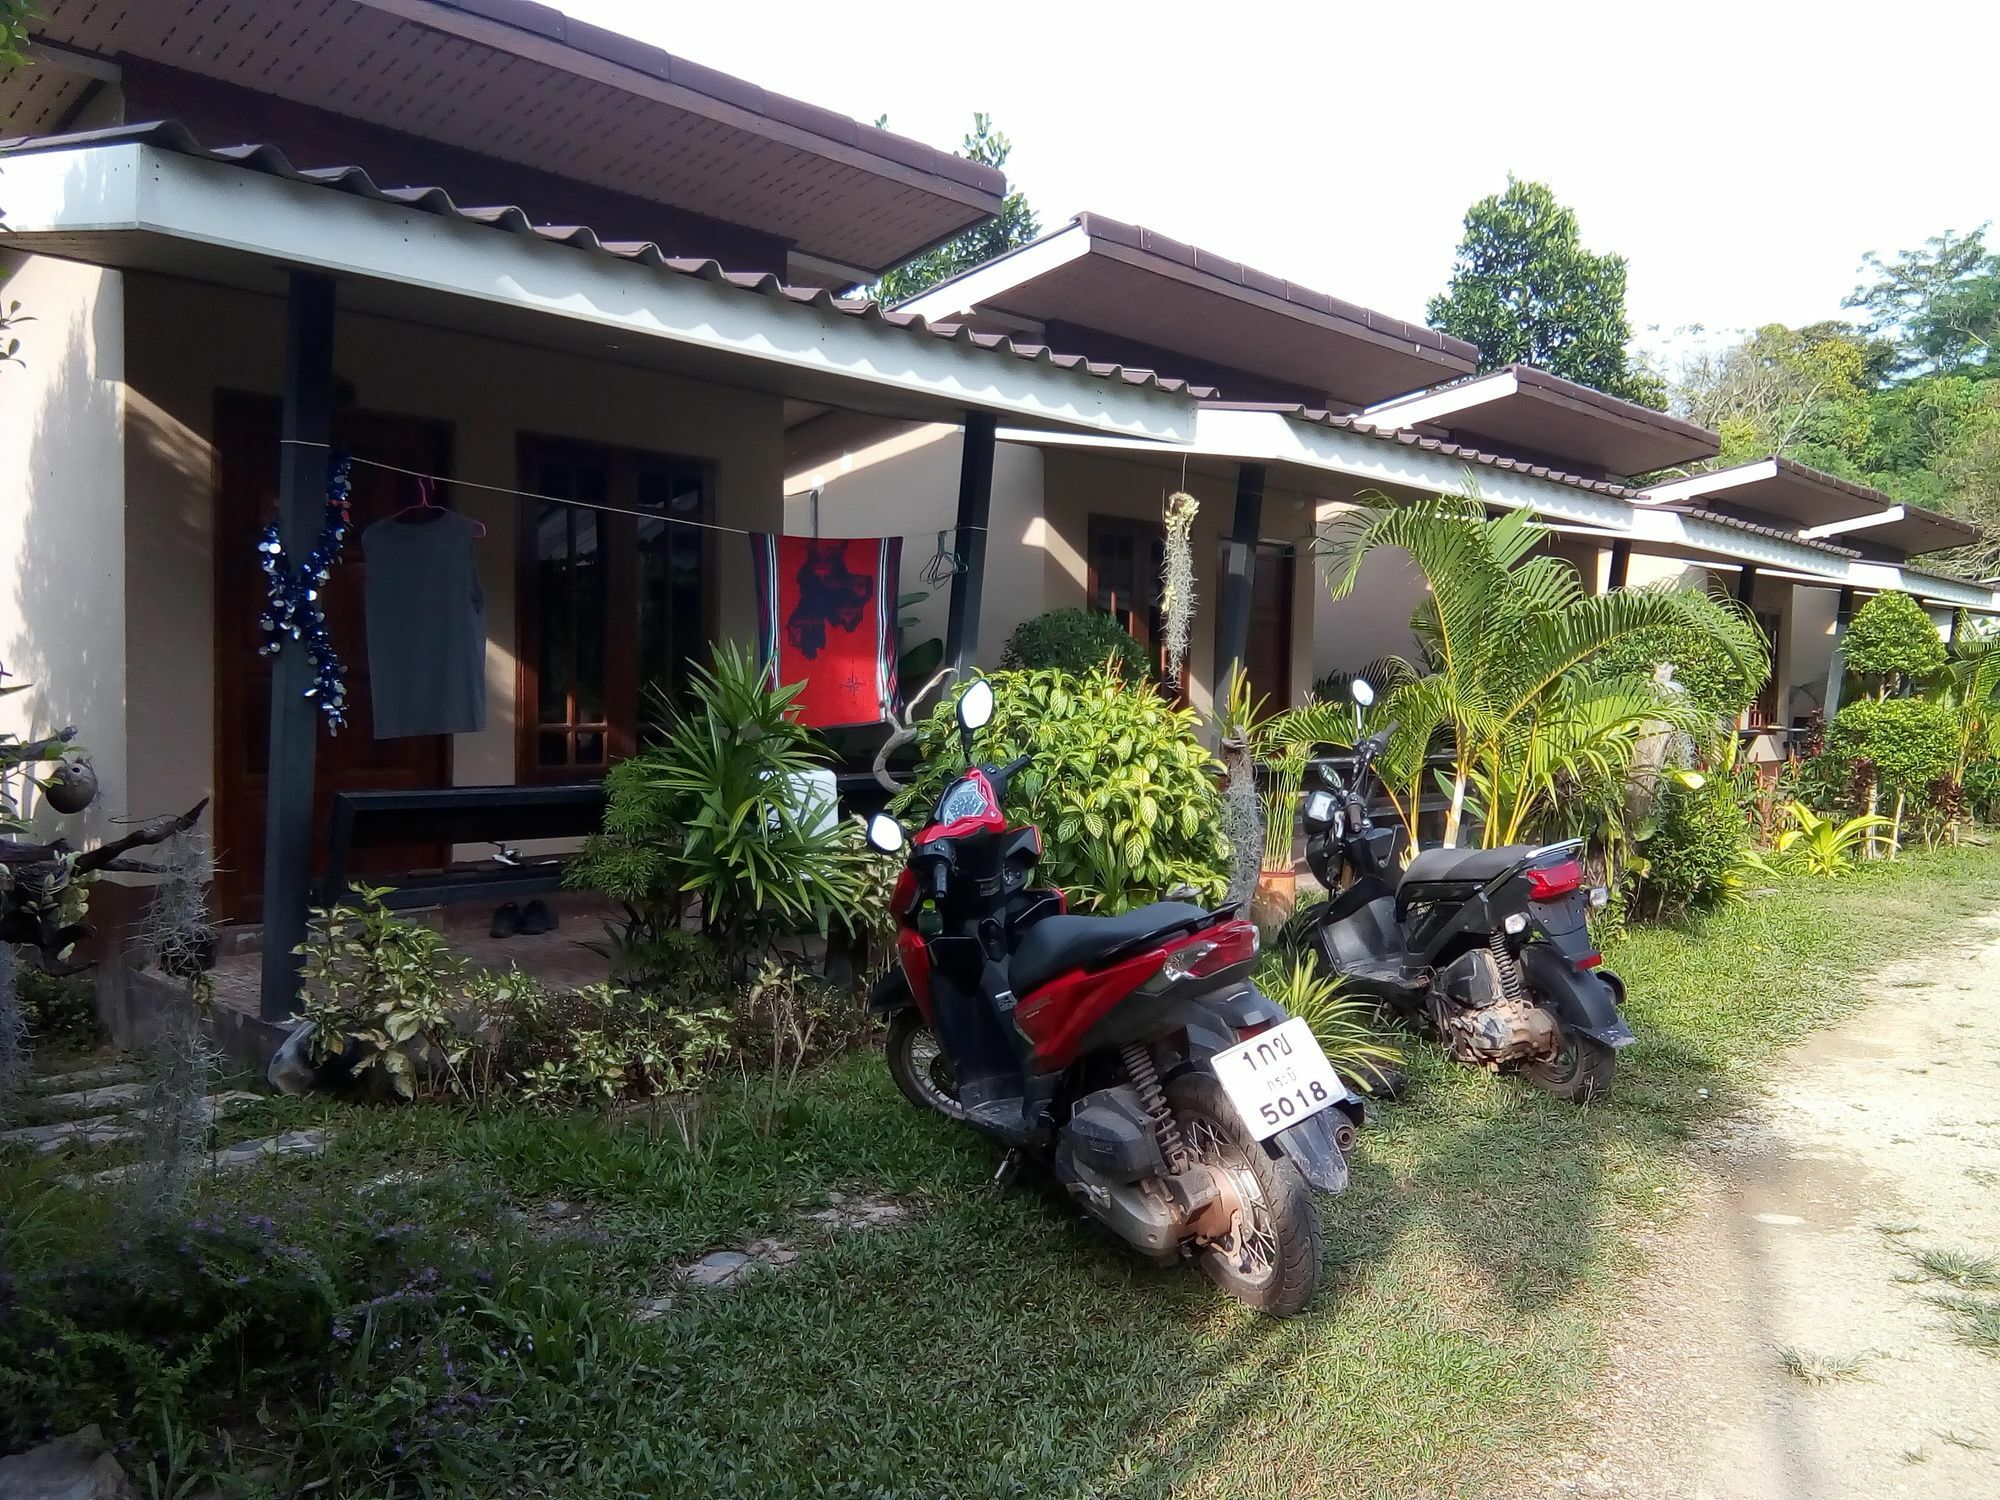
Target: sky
(1741,156)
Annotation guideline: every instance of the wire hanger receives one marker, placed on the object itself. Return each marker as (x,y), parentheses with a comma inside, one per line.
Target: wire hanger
(427,509)
(945,566)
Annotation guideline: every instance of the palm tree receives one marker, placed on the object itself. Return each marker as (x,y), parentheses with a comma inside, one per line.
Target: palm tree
(1509,639)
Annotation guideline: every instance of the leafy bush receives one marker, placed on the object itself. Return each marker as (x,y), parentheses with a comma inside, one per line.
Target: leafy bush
(1343,1023)
(1698,844)
(714,813)
(1821,846)
(1891,637)
(1982,788)
(597,1045)
(1910,743)
(1075,640)
(1120,784)
(58,1009)
(393,986)
(1715,683)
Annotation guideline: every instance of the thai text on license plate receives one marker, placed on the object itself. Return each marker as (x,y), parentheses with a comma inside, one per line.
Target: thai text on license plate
(1278,1078)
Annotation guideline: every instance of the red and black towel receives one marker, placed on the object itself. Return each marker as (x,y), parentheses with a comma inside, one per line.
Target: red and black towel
(826,617)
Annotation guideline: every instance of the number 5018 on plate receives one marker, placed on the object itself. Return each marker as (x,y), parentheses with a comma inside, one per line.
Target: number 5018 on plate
(1278,1078)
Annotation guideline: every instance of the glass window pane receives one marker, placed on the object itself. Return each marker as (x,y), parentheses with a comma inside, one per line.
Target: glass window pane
(587,563)
(552,748)
(553,614)
(590,747)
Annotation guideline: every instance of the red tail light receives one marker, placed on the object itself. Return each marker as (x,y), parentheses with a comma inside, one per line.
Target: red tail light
(1590,961)
(1213,951)
(1554,880)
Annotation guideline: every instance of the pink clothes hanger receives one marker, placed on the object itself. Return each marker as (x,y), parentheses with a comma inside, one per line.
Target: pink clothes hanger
(427,509)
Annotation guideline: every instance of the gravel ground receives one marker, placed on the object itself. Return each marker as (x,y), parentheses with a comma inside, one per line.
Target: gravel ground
(1878,1141)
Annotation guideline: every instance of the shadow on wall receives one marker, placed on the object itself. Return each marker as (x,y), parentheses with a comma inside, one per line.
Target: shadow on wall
(66,635)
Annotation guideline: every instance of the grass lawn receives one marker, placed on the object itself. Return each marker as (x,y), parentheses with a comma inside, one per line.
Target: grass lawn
(997,1345)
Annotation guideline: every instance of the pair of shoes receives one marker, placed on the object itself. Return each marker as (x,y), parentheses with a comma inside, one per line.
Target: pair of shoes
(510,920)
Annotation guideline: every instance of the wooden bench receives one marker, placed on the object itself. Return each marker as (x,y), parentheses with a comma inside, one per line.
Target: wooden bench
(460,815)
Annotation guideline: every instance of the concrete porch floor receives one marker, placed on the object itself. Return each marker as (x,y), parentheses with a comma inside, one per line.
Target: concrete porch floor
(556,958)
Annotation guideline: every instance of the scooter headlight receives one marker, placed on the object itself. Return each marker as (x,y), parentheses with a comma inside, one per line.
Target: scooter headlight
(1319,807)
(1514,923)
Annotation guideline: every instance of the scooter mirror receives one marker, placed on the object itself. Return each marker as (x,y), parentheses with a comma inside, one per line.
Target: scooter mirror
(975,706)
(885,833)
(1361,692)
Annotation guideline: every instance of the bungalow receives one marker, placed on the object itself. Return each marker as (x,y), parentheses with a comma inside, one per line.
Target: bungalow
(608,403)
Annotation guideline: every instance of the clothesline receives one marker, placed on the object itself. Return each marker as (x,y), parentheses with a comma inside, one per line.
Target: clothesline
(597,505)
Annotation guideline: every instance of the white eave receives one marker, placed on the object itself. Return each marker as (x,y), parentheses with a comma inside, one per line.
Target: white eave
(1288,442)
(141,207)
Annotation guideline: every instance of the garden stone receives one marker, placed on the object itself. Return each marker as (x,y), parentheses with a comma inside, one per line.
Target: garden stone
(70,1468)
(99,1130)
(230,1159)
(717,1269)
(845,1213)
(83,1078)
(96,1101)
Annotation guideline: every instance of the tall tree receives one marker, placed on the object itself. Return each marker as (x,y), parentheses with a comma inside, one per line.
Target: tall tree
(1940,303)
(1525,290)
(1015,225)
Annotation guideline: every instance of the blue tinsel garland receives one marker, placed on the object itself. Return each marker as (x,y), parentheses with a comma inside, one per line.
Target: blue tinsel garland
(294,611)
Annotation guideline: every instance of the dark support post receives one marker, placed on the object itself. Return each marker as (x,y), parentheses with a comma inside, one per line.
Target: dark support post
(288,797)
(1621,563)
(1239,572)
(1843,614)
(1746,584)
(975,507)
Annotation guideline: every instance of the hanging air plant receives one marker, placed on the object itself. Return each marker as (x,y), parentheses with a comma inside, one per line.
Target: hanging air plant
(1177,580)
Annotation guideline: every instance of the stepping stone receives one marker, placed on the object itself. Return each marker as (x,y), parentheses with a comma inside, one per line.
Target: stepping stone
(85,1078)
(97,1100)
(107,1130)
(76,1467)
(846,1213)
(101,1130)
(230,1159)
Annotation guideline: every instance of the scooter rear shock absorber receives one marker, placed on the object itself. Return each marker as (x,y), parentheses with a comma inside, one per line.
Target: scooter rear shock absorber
(1152,1099)
(1509,966)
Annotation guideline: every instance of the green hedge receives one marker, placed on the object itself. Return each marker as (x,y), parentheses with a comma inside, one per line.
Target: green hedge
(1077,641)
(1911,742)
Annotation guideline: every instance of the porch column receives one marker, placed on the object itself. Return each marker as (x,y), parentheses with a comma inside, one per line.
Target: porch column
(1232,646)
(1843,613)
(1621,563)
(1746,584)
(975,507)
(288,797)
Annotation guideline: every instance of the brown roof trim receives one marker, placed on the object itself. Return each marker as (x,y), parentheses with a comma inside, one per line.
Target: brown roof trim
(1820,479)
(168,135)
(1235,279)
(1613,406)
(1409,438)
(545,34)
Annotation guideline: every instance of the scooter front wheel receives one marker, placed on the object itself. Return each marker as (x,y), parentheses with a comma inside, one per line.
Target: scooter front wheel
(918,1064)
(1271,1261)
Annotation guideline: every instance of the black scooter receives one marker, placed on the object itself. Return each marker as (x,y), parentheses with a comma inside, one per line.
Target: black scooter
(1489,950)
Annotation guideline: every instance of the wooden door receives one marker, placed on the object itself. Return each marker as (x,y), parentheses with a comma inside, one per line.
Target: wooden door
(1269,652)
(247,429)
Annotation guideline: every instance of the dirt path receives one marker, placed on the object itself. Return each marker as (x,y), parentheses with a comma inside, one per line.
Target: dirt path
(1879,1140)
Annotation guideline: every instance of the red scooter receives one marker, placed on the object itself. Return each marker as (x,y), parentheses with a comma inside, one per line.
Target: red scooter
(1131,1054)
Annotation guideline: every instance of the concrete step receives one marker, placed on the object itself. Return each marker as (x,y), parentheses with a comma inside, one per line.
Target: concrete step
(107,1130)
(83,1078)
(229,1159)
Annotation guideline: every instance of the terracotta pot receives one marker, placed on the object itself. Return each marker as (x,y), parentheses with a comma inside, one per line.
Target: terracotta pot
(1276,896)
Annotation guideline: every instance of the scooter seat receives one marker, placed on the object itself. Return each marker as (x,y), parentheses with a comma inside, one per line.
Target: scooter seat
(1055,945)
(1481,865)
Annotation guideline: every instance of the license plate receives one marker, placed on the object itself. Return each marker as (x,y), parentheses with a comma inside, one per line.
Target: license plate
(1278,1078)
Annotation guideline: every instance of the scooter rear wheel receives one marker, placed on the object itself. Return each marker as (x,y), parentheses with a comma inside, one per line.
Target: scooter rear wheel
(919,1065)
(1276,1268)
(1579,1073)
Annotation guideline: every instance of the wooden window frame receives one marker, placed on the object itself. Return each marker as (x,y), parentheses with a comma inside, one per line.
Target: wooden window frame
(618,539)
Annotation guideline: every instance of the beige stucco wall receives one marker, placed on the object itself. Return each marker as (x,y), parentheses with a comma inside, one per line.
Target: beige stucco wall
(188,341)
(880,478)
(62,497)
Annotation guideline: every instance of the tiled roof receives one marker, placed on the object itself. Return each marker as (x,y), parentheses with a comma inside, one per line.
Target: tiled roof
(168,135)
(1353,423)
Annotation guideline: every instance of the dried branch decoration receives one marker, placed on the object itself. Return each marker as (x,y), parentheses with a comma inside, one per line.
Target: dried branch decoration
(1177,581)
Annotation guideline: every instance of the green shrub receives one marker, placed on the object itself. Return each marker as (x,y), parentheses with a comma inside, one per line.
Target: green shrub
(1911,743)
(708,815)
(1698,843)
(59,1009)
(1982,788)
(1075,640)
(1702,665)
(1891,637)
(1120,785)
